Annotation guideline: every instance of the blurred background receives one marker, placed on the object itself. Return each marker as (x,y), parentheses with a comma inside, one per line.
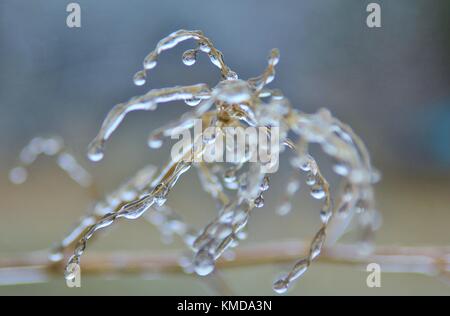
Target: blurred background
(391,84)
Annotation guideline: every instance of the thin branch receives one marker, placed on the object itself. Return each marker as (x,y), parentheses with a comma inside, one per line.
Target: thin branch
(35,267)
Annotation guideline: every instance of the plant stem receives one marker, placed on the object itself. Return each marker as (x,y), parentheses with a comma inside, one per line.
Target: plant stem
(35,267)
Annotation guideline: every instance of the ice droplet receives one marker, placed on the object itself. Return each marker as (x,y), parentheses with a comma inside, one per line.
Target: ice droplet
(139,78)
(265,184)
(203,263)
(155,141)
(215,61)
(274,57)
(341,169)
(71,269)
(192,101)
(18,175)
(280,286)
(284,209)
(55,254)
(204,47)
(325,215)
(317,192)
(229,175)
(95,151)
(310,179)
(69,274)
(231,75)
(292,187)
(189,57)
(259,201)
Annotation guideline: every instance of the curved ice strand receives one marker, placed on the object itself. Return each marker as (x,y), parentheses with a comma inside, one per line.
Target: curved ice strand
(132,210)
(204,45)
(269,73)
(299,268)
(111,203)
(149,101)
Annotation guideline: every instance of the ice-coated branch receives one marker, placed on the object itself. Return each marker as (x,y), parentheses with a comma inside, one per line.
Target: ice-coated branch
(36,268)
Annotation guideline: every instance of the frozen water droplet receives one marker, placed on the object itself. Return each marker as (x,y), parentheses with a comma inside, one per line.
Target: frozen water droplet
(139,78)
(232,185)
(259,201)
(229,176)
(155,141)
(189,57)
(231,75)
(318,192)
(325,215)
(284,209)
(292,187)
(310,179)
(55,255)
(280,286)
(204,47)
(72,269)
(269,79)
(203,263)
(215,61)
(242,235)
(265,184)
(95,151)
(189,238)
(304,162)
(185,261)
(18,175)
(274,57)
(69,275)
(341,169)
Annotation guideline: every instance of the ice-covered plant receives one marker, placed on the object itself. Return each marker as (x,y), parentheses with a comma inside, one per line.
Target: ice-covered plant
(237,188)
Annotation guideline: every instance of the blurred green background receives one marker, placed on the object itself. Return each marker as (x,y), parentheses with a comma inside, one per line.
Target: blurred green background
(391,84)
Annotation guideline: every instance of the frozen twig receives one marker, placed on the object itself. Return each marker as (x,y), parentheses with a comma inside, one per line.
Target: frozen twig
(36,268)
